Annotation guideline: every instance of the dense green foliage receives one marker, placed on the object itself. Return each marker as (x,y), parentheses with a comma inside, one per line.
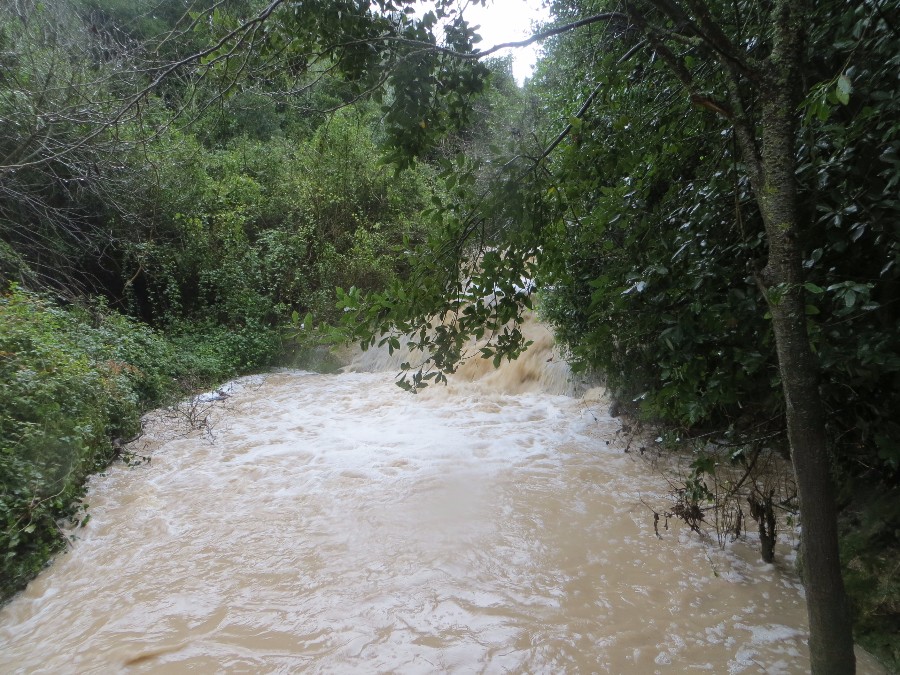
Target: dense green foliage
(73,379)
(248,232)
(221,201)
(646,238)
(654,266)
(213,218)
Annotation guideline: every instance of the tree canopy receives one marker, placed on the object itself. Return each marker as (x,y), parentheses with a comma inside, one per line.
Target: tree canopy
(700,196)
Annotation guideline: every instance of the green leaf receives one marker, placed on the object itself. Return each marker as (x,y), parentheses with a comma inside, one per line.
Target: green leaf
(843,89)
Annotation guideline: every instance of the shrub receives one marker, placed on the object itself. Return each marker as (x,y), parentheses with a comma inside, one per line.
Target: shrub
(72,379)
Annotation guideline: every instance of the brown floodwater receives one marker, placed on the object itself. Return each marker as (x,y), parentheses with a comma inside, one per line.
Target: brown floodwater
(335,524)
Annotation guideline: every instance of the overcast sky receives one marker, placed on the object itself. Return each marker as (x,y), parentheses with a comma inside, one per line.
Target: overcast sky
(507,21)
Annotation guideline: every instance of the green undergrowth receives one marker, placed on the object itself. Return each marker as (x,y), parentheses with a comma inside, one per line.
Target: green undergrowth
(870,552)
(73,379)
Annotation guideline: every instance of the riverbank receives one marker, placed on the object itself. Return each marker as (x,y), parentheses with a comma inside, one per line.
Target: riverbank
(74,383)
(337,523)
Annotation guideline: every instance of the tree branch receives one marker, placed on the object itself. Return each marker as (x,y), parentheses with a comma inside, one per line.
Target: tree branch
(715,37)
(550,32)
(587,103)
(243,30)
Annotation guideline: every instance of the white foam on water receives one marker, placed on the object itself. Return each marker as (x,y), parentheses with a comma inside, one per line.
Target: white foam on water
(337,524)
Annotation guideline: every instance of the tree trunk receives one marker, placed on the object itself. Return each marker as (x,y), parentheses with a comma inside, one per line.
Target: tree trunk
(763,512)
(831,636)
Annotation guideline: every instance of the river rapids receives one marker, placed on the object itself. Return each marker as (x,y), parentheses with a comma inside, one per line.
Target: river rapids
(335,524)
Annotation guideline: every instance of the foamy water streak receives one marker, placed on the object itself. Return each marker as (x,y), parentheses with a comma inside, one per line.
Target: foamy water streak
(339,525)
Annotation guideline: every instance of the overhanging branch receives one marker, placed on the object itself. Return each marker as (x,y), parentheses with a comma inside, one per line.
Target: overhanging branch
(587,103)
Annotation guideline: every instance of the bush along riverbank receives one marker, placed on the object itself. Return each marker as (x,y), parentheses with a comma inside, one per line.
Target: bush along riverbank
(74,382)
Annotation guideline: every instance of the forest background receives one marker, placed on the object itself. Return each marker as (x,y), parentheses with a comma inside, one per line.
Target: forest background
(184,194)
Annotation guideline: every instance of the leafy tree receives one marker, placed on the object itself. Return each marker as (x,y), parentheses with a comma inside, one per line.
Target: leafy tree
(748,66)
(744,63)
(52,165)
(739,154)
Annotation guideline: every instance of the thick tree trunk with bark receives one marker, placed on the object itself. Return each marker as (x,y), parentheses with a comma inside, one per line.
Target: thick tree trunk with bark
(831,637)
(766,133)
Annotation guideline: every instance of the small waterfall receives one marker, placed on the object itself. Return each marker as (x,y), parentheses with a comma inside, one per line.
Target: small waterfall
(540,369)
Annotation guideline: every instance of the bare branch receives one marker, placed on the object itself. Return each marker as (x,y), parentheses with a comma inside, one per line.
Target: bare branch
(134,101)
(605,17)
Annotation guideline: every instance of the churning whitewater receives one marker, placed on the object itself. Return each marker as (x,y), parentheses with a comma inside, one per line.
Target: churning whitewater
(335,524)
